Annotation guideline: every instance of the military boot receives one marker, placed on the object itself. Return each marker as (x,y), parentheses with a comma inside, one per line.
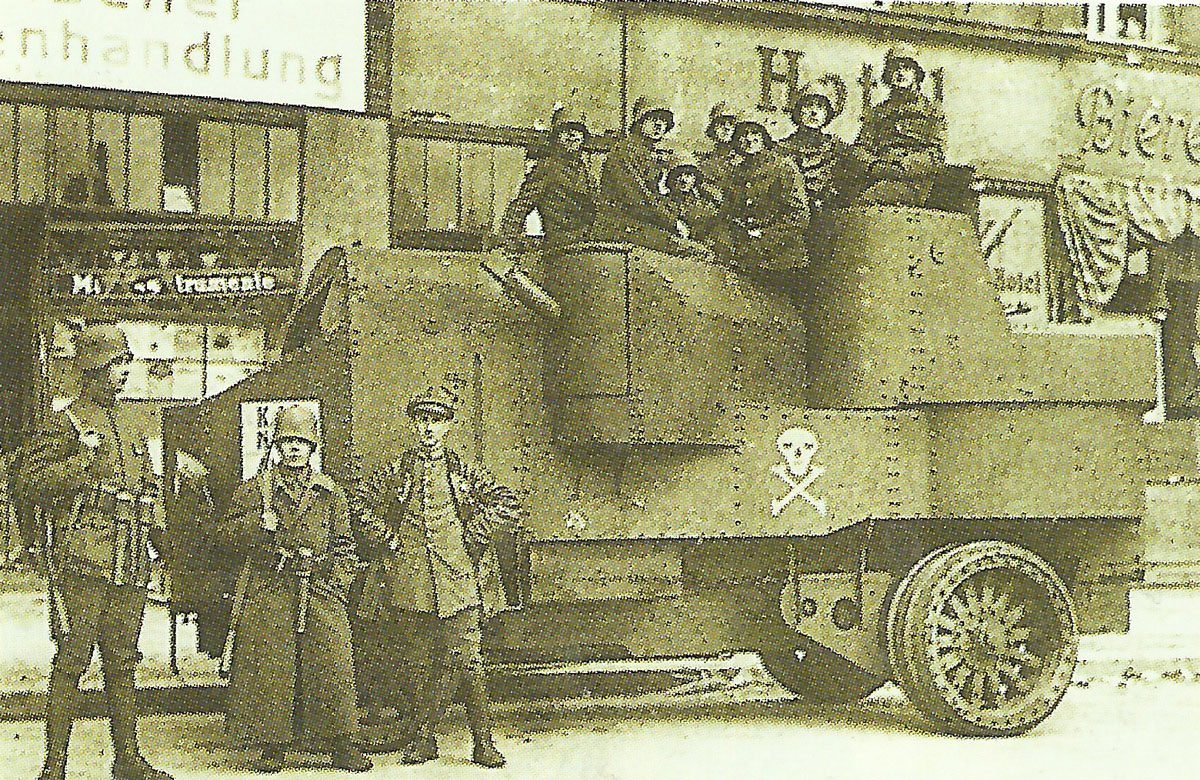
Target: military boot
(60,718)
(348,757)
(479,720)
(423,748)
(136,767)
(128,764)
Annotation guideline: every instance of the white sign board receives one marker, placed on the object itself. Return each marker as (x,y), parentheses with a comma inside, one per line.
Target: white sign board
(291,52)
(258,418)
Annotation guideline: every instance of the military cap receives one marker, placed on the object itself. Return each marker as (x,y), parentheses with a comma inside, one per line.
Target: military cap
(750,125)
(643,110)
(96,346)
(829,88)
(296,422)
(438,400)
(720,112)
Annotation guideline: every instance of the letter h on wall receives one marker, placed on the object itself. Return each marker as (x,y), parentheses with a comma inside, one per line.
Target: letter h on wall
(789,77)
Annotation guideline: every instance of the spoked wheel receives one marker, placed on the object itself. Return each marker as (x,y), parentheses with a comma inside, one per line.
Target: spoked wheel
(817,674)
(983,639)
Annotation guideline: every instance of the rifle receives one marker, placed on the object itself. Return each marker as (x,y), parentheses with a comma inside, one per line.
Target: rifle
(243,581)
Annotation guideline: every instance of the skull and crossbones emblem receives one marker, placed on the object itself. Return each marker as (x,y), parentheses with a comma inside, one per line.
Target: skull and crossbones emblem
(797,446)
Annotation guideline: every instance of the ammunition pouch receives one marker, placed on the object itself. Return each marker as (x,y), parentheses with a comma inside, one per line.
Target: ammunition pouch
(106,530)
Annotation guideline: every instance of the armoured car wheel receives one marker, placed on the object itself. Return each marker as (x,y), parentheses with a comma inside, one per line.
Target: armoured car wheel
(819,675)
(984,639)
(898,606)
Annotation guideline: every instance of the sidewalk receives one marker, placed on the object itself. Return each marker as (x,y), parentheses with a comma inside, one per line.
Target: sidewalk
(1163,643)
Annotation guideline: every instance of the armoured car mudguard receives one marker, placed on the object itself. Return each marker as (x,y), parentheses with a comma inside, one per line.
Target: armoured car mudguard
(881,481)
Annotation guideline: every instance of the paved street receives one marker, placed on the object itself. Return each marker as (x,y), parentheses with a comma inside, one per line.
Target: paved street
(1104,730)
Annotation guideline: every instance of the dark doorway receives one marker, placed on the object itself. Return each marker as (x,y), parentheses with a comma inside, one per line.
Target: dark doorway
(21,237)
(1180,273)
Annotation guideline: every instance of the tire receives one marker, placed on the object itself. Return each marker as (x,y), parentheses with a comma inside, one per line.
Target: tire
(819,675)
(982,639)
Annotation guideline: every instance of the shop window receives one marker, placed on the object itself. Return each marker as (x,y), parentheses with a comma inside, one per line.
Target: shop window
(177,361)
(249,171)
(451,194)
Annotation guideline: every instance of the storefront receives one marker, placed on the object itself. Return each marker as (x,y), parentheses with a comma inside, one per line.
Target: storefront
(179,217)
(169,167)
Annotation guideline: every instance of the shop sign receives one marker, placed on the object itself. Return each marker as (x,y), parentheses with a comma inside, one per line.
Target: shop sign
(1138,130)
(291,52)
(165,284)
(257,419)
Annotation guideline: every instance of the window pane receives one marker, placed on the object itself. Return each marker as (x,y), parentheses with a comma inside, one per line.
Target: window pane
(478,196)
(408,192)
(31,160)
(145,163)
(108,129)
(443,185)
(216,167)
(249,171)
(510,172)
(283,150)
(74,174)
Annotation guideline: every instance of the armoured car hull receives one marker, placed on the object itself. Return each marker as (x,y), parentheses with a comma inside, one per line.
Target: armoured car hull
(873,480)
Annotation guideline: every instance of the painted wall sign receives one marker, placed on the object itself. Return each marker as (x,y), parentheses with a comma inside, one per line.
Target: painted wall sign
(139,283)
(293,52)
(257,420)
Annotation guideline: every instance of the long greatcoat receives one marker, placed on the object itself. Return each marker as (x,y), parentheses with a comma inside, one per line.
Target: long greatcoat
(767,214)
(285,685)
(632,209)
(393,534)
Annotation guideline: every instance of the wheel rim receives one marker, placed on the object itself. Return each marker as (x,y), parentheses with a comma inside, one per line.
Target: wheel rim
(1000,642)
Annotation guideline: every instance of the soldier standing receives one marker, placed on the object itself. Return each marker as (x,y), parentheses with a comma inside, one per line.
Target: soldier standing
(89,471)
(559,186)
(902,143)
(716,165)
(823,158)
(633,207)
(432,517)
(292,671)
(766,213)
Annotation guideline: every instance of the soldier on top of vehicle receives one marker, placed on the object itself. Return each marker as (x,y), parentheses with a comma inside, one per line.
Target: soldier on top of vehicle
(766,215)
(559,186)
(685,185)
(89,471)
(902,143)
(823,158)
(292,671)
(430,517)
(716,164)
(632,206)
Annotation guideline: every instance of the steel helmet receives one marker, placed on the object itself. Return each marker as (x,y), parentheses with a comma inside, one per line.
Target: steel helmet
(96,346)
(296,422)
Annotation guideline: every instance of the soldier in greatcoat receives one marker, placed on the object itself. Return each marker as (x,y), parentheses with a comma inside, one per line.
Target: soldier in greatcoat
(430,518)
(292,669)
(902,143)
(558,185)
(826,161)
(697,212)
(716,164)
(766,215)
(88,470)
(633,207)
